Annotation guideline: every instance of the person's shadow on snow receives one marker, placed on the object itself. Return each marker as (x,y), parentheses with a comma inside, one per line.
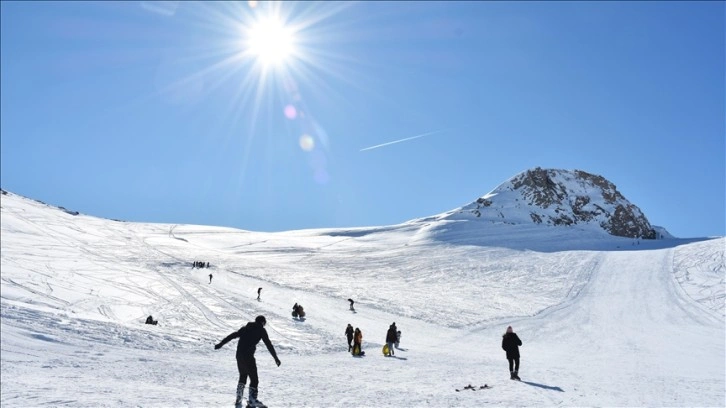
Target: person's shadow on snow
(397,357)
(546,387)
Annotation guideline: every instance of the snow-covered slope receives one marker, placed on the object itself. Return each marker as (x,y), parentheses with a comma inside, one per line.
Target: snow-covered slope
(605,320)
(560,198)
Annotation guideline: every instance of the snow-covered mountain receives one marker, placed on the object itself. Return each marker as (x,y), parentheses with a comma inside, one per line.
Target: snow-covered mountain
(561,198)
(604,320)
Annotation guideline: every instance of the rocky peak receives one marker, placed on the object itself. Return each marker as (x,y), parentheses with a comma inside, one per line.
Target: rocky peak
(561,198)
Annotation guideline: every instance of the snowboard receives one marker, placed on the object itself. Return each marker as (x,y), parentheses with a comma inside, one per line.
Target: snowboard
(473,388)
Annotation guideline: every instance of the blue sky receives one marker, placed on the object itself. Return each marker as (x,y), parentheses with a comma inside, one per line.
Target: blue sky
(156,112)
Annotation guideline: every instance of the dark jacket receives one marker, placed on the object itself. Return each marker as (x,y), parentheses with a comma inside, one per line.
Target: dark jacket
(349,333)
(391,335)
(249,336)
(510,344)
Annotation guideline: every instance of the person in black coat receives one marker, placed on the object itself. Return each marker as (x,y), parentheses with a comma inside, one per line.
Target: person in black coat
(249,336)
(349,335)
(510,344)
(391,338)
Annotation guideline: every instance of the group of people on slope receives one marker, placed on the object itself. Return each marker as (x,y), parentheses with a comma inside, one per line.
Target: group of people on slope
(355,339)
(251,334)
(297,311)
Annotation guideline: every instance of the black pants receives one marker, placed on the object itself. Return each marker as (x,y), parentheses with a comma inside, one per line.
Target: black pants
(247,367)
(515,362)
(350,342)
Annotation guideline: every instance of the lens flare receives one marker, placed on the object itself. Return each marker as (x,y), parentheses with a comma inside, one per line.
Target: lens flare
(290,112)
(307,143)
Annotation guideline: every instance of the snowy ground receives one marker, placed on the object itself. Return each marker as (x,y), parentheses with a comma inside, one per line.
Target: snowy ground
(605,321)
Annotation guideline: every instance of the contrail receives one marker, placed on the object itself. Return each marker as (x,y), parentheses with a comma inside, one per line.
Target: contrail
(403,140)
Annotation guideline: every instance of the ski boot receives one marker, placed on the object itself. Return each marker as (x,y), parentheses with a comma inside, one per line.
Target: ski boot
(516,376)
(255,404)
(240,393)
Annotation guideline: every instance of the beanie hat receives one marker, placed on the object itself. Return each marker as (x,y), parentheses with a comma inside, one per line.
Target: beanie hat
(509,329)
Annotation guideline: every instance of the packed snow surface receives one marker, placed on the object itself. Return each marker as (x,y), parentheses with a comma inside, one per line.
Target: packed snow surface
(605,321)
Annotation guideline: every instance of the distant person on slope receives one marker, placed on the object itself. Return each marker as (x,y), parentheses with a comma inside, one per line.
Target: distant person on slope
(391,338)
(349,336)
(210,278)
(357,342)
(510,344)
(351,304)
(259,290)
(249,336)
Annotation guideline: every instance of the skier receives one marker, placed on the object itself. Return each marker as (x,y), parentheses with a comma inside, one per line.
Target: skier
(357,342)
(351,304)
(510,344)
(249,336)
(258,293)
(210,278)
(391,338)
(349,335)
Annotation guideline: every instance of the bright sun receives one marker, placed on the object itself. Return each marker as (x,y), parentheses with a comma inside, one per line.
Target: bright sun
(270,42)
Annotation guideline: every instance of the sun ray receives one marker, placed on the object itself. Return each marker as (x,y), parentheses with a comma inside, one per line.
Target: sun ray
(265,58)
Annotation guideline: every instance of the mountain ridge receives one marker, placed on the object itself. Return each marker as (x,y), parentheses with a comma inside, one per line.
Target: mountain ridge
(557,197)
(549,197)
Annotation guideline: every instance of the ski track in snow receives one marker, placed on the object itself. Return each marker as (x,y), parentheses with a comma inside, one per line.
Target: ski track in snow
(608,324)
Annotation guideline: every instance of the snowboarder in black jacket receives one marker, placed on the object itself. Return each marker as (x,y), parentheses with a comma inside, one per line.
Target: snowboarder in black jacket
(349,335)
(510,344)
(249,336)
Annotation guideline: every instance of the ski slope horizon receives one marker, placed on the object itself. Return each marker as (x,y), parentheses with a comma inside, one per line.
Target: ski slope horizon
(604,320)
